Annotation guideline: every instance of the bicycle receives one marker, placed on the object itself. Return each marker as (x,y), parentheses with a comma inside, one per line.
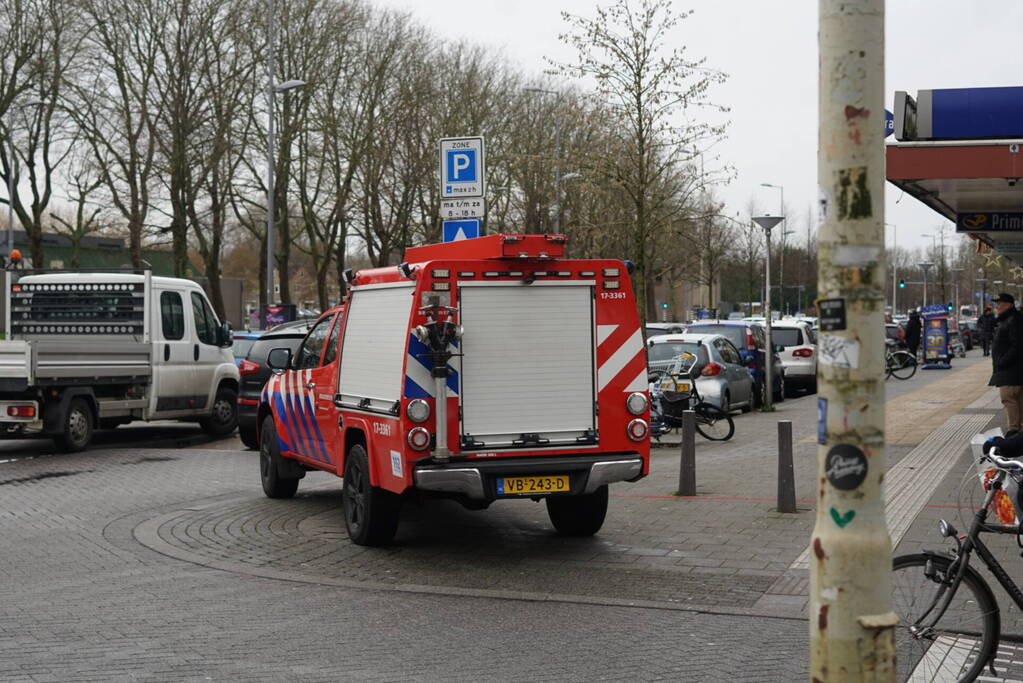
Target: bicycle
(954,632)
(898,362)
(674,391)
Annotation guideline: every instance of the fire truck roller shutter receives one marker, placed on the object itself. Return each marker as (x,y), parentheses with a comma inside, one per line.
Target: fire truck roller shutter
(528,363)
(373,351)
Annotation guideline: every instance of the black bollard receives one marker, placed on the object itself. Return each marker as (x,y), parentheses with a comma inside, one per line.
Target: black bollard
(786,479)
(687,467)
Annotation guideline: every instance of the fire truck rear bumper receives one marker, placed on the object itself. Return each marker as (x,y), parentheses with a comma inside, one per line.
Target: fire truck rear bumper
(477,480)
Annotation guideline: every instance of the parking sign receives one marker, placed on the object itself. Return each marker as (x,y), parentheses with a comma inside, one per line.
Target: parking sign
(462,170)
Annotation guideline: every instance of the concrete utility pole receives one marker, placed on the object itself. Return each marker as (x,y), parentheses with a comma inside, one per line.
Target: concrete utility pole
(851,619)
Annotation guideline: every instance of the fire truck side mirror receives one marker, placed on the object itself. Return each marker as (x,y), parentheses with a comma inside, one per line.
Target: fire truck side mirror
(278,359)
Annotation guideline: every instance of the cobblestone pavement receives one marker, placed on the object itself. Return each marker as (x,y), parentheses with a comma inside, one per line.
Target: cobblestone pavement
(167,563)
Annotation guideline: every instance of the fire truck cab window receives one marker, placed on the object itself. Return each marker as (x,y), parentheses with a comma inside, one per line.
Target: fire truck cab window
(312,347)
(331,353)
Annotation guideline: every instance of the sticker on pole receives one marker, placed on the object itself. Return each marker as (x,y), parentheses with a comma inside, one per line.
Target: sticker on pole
(462,169)
(845,467)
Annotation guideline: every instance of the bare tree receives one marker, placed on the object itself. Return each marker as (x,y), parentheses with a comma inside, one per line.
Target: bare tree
(649,88)
(110,101)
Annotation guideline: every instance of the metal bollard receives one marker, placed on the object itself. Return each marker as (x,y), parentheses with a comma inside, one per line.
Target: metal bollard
(786,479)
(687,467)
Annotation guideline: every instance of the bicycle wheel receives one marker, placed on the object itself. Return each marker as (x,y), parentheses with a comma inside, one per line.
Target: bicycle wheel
(903,365)
(713,423)
(964,639)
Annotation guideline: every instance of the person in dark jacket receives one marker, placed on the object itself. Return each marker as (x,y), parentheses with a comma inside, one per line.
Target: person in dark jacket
(913,332)
(1007,358)
(986,329)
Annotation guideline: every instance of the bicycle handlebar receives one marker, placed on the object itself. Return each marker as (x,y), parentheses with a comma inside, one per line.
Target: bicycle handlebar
(1007,464)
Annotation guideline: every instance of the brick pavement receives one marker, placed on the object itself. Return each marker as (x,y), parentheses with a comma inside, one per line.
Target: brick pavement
(170,565)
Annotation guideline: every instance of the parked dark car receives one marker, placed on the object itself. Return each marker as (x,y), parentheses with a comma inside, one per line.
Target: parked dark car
(243,341)
(750,339)
(255,372)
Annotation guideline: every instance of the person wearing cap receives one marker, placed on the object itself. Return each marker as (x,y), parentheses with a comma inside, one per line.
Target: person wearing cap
(1007,358)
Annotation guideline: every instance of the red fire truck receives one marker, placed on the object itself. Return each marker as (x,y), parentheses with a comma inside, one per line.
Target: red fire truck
(481,369)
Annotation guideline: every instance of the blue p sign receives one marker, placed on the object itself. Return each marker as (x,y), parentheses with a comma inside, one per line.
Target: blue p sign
(461,164)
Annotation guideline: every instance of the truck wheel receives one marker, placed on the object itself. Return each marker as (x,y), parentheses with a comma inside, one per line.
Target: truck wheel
(274,485)
(371,513)
(578,515)
(224,418)
(76,427)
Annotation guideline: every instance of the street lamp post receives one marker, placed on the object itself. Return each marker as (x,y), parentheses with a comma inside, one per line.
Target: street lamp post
(925,267)
(271,89)
(767,223)
(781,264)
(557,152)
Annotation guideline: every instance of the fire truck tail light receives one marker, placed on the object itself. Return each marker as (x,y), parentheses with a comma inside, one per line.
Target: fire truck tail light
(711,370)
(440,272)
(418,410)
(610,272)
(441,286)
(637,430)
(21,411)
(611,284)
(636,403)
(419,438)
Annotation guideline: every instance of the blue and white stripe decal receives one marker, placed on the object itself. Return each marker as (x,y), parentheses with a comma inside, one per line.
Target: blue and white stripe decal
(418,382)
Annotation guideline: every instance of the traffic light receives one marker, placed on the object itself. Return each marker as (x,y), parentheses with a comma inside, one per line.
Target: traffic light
(902,284)
(664,305)
(950,307)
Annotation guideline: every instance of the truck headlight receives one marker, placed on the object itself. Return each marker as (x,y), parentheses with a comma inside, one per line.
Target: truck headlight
(636,403)
(419,438)
(637,430)
(418,410)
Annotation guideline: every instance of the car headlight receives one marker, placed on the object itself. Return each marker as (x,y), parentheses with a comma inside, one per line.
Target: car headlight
(418,410)
(636,403)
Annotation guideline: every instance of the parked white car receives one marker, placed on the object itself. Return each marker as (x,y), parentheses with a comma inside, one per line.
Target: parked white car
(799,357)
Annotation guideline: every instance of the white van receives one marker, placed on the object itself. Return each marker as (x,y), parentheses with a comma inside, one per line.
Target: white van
(82,351)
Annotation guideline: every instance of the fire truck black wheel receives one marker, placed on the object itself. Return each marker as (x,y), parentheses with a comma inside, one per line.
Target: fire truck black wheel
(223,418)
(76,428)
(581,515)
(274,485)
(371,513)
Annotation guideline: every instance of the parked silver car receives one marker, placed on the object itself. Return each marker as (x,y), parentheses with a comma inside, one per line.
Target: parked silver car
(723,378)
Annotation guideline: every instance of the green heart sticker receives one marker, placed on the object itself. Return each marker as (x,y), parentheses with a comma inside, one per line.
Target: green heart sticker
(840,519)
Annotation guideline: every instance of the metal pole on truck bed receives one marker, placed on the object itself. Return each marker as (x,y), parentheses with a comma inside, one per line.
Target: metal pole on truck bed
(851,619)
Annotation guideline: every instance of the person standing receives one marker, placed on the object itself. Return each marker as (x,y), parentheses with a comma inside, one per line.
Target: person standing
(1007,358)
(913,332)
(986,329)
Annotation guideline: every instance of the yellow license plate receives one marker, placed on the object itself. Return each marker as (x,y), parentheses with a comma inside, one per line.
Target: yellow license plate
(511,486)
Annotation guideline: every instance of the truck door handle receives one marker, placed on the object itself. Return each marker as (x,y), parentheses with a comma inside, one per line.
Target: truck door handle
(195,352)
(166,351)
(310,385)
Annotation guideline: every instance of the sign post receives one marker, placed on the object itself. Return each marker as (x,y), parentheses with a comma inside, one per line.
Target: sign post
(462,187)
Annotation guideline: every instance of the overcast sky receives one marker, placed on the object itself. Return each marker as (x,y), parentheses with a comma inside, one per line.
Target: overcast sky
(769,50)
